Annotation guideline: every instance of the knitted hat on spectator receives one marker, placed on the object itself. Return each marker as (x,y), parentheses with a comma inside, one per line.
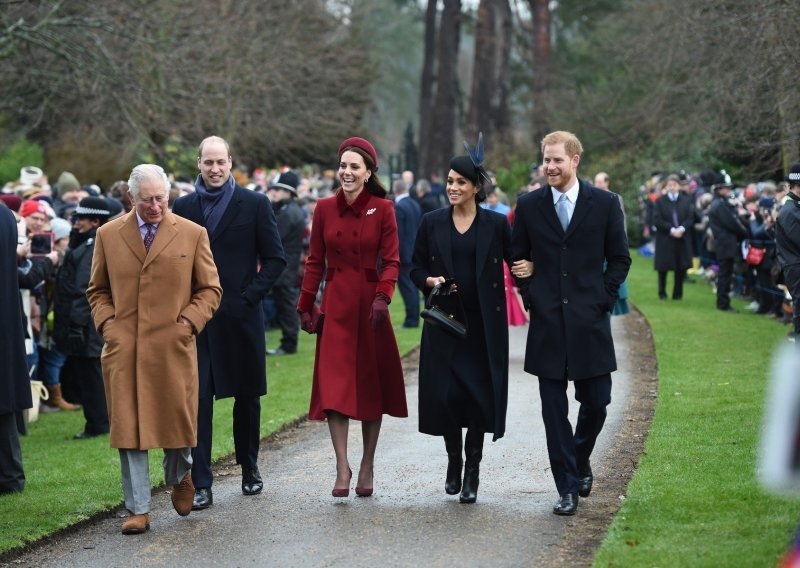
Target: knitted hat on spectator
(67,182)
(794,174)
(12,201)
(288,181)
(30,175)
(32,206)
(93,207)
(361,144)
(60,228)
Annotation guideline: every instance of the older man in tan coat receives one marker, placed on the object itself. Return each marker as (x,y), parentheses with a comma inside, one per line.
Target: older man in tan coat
(154,286)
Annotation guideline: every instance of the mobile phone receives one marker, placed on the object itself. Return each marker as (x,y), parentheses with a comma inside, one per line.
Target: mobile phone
(42,243)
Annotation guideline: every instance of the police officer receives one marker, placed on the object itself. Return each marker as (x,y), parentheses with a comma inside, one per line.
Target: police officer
(728,231)
(74,330)
(787,241)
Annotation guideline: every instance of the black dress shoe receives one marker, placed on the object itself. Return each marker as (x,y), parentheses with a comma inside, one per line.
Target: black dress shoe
(280,351)
(662,296)
(730,309)
(203,499)
(85,436)
(567,505)
(585,479)
(251,481)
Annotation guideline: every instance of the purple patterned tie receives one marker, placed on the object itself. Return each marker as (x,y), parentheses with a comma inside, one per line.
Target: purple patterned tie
(149,236)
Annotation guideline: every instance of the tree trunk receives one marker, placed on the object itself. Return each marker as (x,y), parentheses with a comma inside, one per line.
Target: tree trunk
(488,105)
(444,107)
(540,13)
(426,90)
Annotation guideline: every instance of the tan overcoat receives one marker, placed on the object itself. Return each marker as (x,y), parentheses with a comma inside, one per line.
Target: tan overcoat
(150,358)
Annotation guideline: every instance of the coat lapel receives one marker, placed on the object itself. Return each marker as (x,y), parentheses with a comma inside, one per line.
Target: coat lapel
(582,207)
(166,232)
(484,238)
(230,213)
(194,211)
(549,209)
(442,229)
(129,231)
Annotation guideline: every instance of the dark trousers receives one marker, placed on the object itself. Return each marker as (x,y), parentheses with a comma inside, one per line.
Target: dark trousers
(677,288)
(791,275)
(770,298)
(246,436)
(88,374)
(724,282)
(286,317)
(570,451)
(410,295)
(12,476)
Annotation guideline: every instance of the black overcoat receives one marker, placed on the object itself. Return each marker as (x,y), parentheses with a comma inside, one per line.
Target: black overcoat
(433,257)
(249,257)
(71,310)
(569,295)
(15,386)
(667,257)
(726,227)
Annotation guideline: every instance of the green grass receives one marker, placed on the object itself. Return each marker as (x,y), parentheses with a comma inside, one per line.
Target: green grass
(70,480)
(694,500)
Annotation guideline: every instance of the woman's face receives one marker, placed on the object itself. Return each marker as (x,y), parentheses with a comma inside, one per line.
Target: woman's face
(353,172)
(460,190)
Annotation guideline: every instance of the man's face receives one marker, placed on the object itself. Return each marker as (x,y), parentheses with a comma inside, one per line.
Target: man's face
(491,199)
(673,186)
(601,181)
(74,196)
(214,164)
(36,222)
(559,167)
(276,195)
(151,201)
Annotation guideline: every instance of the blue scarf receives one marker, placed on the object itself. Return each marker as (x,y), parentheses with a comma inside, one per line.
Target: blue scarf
(214,202)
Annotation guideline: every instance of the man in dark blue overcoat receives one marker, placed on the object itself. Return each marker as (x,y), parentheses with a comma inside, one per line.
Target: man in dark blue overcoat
(15,386)
(409,216)
(230,350)
(570,229)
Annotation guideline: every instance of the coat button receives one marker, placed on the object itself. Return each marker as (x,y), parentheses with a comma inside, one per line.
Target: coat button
(355,234)
(563,247)
(433,257)
(564,301)
(338,233)
(564,274)
(338,251)
(495,261)
(497,308)
(494,284)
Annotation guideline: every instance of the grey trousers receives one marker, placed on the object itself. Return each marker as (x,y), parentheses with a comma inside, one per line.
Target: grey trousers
(12,476)
(136,475)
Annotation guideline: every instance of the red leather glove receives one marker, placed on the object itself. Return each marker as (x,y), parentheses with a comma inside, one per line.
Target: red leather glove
(311,322)
(379,314)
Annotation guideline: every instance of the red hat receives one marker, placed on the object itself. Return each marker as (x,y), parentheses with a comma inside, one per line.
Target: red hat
(361,144)
(32,206)
(12,201)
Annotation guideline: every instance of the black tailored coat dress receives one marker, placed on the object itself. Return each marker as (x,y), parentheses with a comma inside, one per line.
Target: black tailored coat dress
(249,257)
(433,257)
(569,295)
(15,386)
(667,257)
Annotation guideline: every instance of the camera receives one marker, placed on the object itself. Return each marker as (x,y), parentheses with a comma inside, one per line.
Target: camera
(42,243)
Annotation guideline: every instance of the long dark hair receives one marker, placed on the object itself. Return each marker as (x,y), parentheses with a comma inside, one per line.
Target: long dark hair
(373,184)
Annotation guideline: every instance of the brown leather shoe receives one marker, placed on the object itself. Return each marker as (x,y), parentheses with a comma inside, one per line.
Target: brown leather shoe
(183,495)
(136,524)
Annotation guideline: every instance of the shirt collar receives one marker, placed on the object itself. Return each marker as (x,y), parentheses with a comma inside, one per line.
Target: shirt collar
(401,197)
(572,192)
(141,222)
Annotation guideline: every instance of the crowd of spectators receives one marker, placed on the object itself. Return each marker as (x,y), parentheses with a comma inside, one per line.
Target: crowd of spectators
(755,273)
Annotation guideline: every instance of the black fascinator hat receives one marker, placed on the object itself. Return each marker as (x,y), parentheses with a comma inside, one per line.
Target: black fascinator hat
(471,167)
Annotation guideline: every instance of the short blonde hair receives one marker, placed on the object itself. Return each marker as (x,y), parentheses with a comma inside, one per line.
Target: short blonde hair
(571,143)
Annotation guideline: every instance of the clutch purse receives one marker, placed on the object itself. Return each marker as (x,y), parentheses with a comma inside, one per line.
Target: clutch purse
(436,315)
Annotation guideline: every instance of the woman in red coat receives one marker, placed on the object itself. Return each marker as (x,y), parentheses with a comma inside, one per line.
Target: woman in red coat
(357,370)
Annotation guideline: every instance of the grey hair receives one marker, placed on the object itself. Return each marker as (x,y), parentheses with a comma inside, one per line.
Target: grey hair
(144,172)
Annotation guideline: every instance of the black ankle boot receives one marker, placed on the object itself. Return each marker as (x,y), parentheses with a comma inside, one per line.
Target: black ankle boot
(452,442)
(473,449)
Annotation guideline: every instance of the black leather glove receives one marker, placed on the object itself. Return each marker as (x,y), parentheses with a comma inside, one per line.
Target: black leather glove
(76,340)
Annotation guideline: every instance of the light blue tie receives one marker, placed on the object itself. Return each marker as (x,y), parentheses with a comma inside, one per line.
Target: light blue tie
(562,212)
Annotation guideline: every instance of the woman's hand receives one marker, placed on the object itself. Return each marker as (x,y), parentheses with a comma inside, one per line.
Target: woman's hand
(432,281)
(522,268)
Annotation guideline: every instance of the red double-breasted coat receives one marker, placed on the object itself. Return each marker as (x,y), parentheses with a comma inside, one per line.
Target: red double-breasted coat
(357,370)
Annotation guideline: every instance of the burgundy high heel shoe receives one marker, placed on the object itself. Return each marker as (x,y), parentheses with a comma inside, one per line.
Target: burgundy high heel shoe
(346,491)
(366,491)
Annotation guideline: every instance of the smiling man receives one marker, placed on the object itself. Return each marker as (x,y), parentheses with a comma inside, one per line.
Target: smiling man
(569,229)
(249,256)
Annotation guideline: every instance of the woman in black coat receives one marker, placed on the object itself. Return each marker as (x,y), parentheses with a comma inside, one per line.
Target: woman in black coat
(464,382)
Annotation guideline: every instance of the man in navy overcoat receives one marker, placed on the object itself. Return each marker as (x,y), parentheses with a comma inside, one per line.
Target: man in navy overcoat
(570,230)
(409,216)
(230,350)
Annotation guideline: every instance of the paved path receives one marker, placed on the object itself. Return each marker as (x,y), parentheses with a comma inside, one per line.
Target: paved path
(409,521)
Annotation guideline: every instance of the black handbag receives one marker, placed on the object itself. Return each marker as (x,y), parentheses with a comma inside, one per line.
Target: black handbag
(436,315)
